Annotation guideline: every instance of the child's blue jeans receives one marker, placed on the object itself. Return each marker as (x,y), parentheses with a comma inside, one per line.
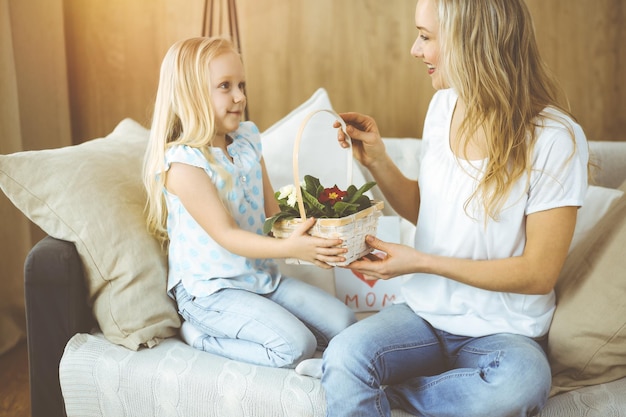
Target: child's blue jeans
(278,329)
(395,359)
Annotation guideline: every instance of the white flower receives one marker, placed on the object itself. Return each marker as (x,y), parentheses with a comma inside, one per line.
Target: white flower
(293,198)
(288,192)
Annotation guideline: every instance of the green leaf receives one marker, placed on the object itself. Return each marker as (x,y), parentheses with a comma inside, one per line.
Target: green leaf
(351,191)
(312,206)
(269,223)
(358,193)
(363,202)
(342,208)
(286,208)
(312,185)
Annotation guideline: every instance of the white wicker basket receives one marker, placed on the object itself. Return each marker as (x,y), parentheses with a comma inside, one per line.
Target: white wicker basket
(351,229)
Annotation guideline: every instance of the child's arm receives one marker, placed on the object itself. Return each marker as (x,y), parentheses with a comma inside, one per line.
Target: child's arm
(201,199)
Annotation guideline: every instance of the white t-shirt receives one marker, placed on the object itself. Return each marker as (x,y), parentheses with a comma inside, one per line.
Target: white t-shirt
(558,178)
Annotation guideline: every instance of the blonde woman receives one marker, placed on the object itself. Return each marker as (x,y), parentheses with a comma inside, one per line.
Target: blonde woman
(503,172)
(208,196)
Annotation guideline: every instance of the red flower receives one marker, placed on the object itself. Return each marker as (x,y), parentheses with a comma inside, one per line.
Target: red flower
(332,195)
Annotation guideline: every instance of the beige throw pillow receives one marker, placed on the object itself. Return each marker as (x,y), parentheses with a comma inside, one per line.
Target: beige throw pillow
(92,194)
(587,341)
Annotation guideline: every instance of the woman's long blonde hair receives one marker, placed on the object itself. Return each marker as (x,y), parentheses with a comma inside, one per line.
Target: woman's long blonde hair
(183,115)
(491,58)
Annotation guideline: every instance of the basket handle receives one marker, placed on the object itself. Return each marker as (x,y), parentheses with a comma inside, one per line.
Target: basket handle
(296,152)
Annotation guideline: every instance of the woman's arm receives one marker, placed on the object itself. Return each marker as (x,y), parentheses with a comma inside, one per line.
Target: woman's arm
(368,148)
(200,198)
(548,237)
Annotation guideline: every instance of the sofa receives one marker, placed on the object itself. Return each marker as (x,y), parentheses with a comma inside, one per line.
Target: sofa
(103,336)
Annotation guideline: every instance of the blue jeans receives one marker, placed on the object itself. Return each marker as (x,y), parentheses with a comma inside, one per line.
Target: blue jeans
(395,359)
(278,329)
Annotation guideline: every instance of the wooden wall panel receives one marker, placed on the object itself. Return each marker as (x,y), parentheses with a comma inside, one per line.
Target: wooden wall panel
(583,43)
(359,50)
(115,48)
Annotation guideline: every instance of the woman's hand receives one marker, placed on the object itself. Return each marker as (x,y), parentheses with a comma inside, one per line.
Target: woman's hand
(548,237)
(395,261)
(367,144)
(317,250)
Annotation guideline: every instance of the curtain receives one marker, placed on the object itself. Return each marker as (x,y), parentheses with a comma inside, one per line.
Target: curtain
(220,18)
(14,229)
(34,114)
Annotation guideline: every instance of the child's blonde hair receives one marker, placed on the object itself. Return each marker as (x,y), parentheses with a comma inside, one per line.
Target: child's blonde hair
(183,115)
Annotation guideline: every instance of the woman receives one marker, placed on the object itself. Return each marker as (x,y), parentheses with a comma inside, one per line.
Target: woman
(503,171)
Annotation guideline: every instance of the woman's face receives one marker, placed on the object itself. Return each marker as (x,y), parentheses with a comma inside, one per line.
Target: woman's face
(426,46)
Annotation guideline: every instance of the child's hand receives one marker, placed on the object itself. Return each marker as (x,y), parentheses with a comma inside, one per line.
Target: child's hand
(317,250)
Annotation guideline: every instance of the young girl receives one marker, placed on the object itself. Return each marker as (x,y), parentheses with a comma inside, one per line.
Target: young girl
(208,196)
(503,171)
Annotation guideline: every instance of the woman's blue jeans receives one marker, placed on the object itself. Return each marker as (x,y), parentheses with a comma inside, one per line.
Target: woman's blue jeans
(395,359)
(278,329)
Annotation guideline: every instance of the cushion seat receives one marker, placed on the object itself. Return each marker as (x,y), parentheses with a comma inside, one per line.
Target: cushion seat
(187,382)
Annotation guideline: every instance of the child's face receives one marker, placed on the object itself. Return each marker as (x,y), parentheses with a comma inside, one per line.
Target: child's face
(227,91)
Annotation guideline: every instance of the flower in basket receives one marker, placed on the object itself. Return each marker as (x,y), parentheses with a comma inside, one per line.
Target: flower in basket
(319,202)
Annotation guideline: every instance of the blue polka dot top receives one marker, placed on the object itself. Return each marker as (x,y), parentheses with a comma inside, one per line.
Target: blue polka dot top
(194,258)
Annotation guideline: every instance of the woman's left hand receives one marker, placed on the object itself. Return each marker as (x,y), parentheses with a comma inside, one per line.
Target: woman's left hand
(395,260)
